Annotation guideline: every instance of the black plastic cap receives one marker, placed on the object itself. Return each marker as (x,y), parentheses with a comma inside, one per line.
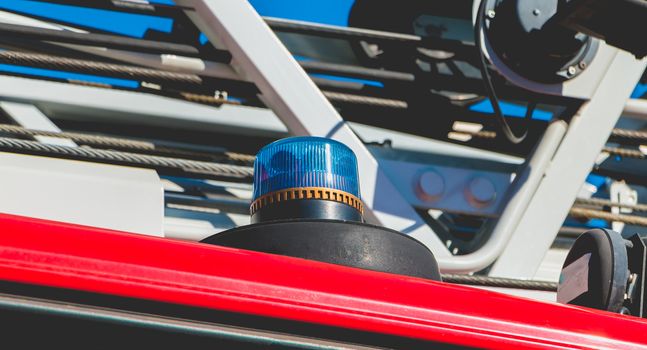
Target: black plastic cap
(596,272)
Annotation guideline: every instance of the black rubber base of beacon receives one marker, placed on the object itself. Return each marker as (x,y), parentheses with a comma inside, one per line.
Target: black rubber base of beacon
(346,243)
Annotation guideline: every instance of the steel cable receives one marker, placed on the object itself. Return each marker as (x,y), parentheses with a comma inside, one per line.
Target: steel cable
(114,142)
(239,157)
(634,135)
(617,134)
(206,99)
(126,158)
(483,134)
(63,63)
(608,203)
(156,75)
(94,140)
(365,100)
(585,213)
(624,152)
(487,281)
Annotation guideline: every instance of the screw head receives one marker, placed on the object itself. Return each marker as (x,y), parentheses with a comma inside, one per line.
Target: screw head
(491,14)
(582,65)
(480,192)
(572,70)
(536,12)
(430,186)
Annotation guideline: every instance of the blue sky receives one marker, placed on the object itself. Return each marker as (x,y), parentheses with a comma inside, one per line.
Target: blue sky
(334,12)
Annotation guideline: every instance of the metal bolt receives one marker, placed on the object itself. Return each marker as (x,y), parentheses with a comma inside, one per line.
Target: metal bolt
(480,192)
(536,12)
(431,185)
(582,65)
(491,14)
(572,70)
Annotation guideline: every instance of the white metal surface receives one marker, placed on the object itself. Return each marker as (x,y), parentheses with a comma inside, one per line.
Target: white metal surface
(87,103)
(90,103)
(409,142)
(164,62)
(30,117)
(620,192)
(189,225)
(636,108)
(551,267)
(518,198)
(587,133)
(450,188)
(99,195)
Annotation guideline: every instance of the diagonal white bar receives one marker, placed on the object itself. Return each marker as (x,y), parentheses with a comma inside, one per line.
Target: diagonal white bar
(259,56)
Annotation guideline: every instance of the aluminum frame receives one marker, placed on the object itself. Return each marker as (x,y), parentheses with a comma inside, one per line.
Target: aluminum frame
(83,193)
(30,117)
(549,207)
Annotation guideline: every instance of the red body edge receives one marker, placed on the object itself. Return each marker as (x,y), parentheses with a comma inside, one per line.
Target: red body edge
(194,274)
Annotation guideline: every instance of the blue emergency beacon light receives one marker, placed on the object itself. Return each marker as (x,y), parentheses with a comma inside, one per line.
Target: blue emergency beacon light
(307,204)
(306,177)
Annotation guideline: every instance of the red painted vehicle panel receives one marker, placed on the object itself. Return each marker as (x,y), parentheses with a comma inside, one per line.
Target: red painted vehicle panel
(96,260)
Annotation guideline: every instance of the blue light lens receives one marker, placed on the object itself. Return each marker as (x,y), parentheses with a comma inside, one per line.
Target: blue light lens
(305,162)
